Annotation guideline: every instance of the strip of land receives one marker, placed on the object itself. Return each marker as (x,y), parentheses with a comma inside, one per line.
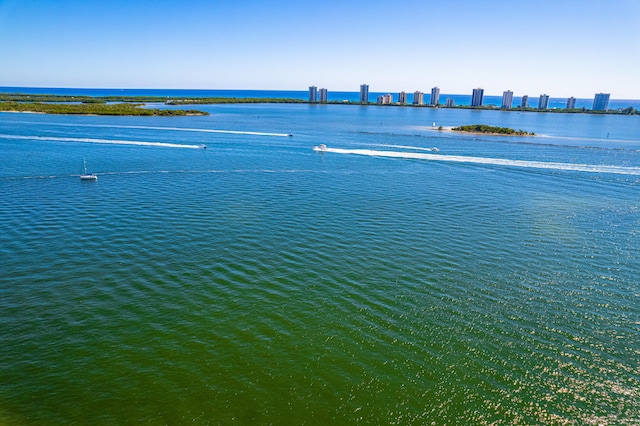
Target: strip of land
(94,109)
(105,105)
(116,105)
(23,97)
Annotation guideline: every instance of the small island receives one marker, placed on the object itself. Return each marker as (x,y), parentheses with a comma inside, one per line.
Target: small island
(492,130)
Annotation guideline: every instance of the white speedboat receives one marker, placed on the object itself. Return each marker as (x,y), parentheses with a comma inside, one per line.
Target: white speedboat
(87,176)
(203,146)
(321,148)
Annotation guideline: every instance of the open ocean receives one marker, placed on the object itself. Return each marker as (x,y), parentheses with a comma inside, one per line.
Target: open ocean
(257,281)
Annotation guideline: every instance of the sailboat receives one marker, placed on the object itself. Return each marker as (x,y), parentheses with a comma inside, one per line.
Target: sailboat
(87,176)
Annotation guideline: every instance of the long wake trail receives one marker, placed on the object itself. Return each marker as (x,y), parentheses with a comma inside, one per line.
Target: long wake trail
(101,141)
(187,129)
(492,161)
(175,129)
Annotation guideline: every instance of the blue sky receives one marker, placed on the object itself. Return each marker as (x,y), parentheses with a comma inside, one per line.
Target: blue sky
(559,47)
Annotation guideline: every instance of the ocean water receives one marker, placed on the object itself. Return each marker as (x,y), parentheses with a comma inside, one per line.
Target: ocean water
(258,281)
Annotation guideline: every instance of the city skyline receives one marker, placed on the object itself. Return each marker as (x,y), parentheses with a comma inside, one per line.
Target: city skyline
(600,100)
(213,45)
(507,95)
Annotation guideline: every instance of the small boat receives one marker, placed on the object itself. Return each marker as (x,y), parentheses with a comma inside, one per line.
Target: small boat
(434,149)
(321,148)
(203,146)
(87,176)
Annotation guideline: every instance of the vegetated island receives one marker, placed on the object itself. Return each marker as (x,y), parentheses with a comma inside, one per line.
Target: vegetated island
(492,130)
(93,108)
(116,105)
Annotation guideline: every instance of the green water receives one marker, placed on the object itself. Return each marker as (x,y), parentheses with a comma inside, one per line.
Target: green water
(260,282)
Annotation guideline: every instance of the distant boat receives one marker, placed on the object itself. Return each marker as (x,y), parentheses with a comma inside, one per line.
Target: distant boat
(87,176)
(203,146)
(321,148)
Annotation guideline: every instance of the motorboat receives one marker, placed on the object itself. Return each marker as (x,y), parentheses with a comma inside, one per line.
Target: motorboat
(87,176)
(203,146)
(321,148)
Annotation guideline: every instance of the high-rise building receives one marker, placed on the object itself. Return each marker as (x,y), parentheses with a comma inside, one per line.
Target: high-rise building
(507,99)
(571,103)
(525,102)
(313,91)
(435,96)
(402,98)
(364,93)
(323,95)
(418,98)
(477,97)
(450,102)
(543,103)
(601,102)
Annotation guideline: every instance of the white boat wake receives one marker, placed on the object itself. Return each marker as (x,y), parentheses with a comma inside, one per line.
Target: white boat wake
(102,141)
(434,149)
(175,129)
(188,129)
(491,161)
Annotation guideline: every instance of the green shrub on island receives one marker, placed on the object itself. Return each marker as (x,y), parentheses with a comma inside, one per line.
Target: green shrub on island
(94,109)
(483,128)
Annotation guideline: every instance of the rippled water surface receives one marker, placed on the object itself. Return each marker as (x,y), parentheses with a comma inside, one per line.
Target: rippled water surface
(261,282)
